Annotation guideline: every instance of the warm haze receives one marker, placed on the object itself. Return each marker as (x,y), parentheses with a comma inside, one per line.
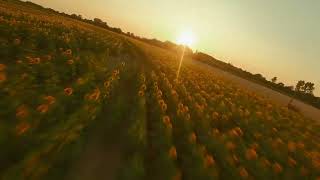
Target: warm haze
(275,38)
(83,99)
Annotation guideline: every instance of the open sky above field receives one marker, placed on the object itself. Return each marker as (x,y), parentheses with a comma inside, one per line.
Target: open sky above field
(274,38)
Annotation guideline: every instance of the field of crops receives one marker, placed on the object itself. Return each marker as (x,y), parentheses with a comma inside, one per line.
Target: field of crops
(59,77)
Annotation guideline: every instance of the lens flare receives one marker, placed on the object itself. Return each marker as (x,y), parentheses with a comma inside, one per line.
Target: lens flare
(180,63)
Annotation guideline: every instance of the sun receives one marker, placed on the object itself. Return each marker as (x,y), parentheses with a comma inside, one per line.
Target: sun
(186,38)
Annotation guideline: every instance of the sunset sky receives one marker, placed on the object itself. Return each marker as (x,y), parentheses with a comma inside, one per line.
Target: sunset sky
(274,38)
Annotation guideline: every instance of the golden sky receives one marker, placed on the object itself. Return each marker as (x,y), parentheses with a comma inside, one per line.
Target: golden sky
(274,38)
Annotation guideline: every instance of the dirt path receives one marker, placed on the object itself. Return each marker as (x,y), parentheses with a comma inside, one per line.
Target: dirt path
(104,154)
(101,159)
(274,96)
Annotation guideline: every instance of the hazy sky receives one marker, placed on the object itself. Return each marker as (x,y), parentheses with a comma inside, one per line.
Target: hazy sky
(274,38)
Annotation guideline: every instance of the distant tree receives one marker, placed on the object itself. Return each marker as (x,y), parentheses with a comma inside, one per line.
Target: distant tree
(117,30)
(300,85)
(291,88)
(308,87)
(274,79)
(260,77)
(100,23)
(281,84)
(75,16)
(130,34)
(97,20)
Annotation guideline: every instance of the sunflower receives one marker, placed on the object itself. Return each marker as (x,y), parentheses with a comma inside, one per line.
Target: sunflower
(238,131)
(230,146)
(159,94)
(107,84)
(164,107)
(80,81)
(265,162)
(251,154)
(141,93)
(277,168)
(22,127)
(192,138)
(43,108)
(292,162)
(161,102)
(17,41)
(143,87)
(68,91)
(68,52)
(291,146)
(22,112)
(3,77)
(243,172)
(166,120)
(300,145)
(50,99)
(215,132)
(70,61)
(215,116)
(254,146)
(316,163)
(34,60)
(94,96)
(2,67)
(173,153)
(209,161)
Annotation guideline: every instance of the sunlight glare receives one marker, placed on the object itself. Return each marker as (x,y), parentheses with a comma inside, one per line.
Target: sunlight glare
(180,62)
(186,38)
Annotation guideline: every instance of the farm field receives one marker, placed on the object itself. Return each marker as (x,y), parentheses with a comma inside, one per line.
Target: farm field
(80,102)
(274,96)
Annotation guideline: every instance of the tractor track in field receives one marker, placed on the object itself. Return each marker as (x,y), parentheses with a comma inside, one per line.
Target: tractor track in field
(104,153)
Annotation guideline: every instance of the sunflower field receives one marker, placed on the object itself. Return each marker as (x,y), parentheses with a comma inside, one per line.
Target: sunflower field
(59,77)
